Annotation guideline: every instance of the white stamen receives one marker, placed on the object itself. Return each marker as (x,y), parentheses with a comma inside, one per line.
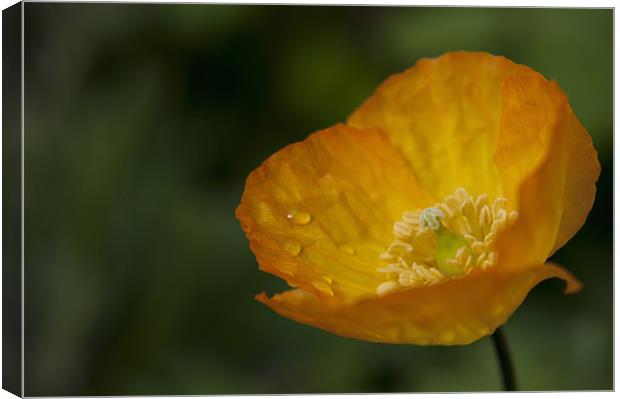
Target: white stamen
(431,217)
(410,260)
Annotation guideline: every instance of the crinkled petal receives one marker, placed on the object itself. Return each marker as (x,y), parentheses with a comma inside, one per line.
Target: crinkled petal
(353,184)
(457,312)
(581,172)
(548,166)
(444,115)
(482,122)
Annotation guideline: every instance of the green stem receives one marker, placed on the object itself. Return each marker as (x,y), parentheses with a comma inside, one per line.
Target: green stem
(505,361)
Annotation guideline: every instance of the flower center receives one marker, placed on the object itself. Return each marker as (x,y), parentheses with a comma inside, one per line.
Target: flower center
(445,241)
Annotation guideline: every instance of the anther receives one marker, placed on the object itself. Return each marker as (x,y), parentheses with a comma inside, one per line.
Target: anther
(431,217)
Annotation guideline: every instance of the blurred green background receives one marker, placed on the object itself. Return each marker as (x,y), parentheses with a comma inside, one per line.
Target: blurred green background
(142,122)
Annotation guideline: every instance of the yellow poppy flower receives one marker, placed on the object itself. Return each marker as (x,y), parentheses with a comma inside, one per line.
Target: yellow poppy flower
(429,216)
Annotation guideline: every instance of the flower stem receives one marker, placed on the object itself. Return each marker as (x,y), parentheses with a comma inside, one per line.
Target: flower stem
(505,361)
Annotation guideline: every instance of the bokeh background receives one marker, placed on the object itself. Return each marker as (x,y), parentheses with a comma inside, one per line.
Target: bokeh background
(142,122)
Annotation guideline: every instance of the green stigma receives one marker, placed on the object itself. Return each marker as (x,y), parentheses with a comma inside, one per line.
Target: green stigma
(448,243)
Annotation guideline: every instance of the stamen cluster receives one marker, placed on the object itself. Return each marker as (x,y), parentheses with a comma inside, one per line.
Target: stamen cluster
(412,256)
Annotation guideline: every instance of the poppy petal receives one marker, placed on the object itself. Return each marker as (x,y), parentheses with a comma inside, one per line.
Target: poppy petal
(548,166)
(582,170)
(443,114)
(341,188)
(456,312)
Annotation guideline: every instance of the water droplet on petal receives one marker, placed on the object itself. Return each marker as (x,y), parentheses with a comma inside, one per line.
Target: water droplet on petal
(347,249)
(288,271)
(299,217)
(323,287)
(292,247)
(328,279)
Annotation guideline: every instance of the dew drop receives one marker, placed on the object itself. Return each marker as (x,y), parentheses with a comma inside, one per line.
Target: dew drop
(328,279)
(299,217)
(292,247)
(323,287)
(347,249)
